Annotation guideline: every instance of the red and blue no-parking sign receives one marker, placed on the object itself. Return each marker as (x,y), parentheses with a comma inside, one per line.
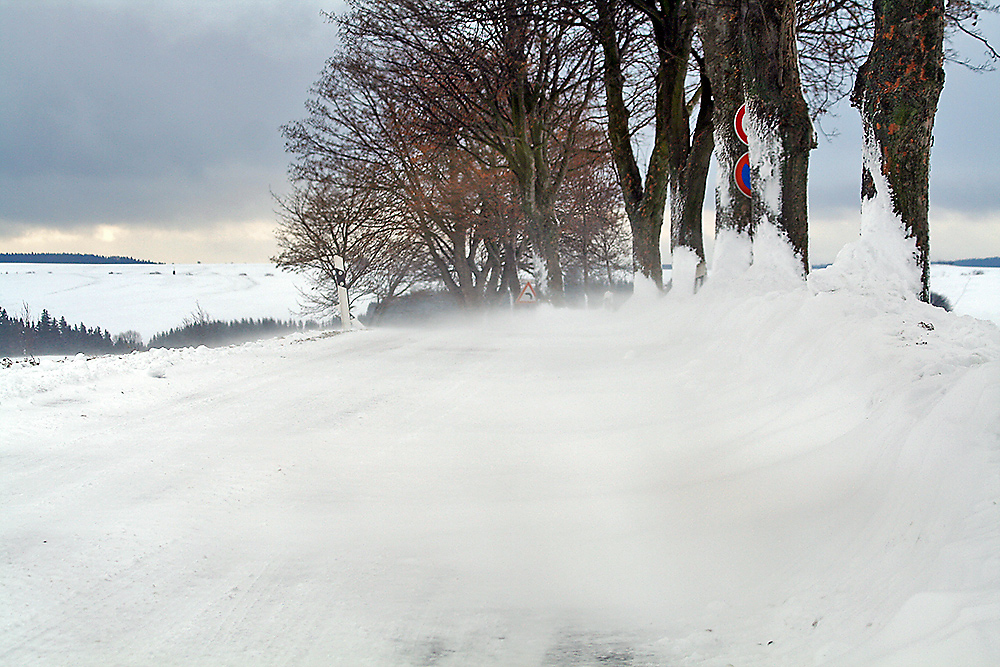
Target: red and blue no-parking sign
(742,174)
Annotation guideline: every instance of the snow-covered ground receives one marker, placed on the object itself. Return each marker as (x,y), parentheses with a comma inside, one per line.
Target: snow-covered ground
(971,291)
(748,477)
(152,299)
(149,298)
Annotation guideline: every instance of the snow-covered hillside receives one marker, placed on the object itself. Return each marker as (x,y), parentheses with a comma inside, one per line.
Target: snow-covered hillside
(148,298)
(744,477)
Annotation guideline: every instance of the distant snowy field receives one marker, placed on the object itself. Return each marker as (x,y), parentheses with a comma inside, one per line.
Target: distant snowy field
(759,475)
(155,298)
(971,291)
(149,298)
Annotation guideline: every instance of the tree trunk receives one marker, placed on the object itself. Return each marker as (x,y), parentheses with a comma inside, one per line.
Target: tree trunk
(543,229)
(781,133)
(526,154)
(673,29)
(719,29)
(644,206)
(897,92)
(666,174)
(688,197)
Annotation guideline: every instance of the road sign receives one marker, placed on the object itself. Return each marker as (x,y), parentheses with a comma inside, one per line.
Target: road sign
(739,123)
(742,174)
(527,294)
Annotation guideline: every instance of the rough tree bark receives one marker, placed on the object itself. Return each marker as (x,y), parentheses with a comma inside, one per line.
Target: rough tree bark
(689,177)
(645,201)
(897,92)
(718,27)
(781,130)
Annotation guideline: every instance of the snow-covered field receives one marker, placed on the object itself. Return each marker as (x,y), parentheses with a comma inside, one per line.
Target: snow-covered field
(152,299)
(749,477)
(149,298)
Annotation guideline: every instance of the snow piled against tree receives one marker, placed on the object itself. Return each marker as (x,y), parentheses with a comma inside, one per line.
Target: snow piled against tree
(760,474)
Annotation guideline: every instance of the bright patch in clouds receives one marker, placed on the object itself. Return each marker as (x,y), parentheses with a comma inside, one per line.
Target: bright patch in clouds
(220,242)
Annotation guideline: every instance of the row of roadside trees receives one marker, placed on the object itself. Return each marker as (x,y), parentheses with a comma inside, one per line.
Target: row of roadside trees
(458,142)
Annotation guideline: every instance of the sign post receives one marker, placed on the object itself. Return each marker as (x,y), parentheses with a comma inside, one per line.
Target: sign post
(340,276)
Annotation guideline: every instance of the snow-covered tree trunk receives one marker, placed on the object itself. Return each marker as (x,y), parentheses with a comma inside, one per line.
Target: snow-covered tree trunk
(687,197)
(781,133)
(719,29)
(897,92)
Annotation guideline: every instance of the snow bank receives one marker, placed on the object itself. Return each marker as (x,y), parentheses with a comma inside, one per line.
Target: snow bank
(883,260)
(761,474)
(732,255)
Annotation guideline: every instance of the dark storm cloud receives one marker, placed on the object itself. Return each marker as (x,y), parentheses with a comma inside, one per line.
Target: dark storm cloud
(112,112)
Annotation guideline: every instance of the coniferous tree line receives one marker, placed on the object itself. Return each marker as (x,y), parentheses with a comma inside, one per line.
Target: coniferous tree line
(213,333)
(65,258)
(24,336)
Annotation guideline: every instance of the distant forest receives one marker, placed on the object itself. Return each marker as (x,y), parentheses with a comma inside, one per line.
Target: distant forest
(65,258)
(984,262)
(20,336)
(214,333)
(24,336)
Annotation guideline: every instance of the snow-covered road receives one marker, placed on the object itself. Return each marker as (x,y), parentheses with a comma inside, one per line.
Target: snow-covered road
(754,479)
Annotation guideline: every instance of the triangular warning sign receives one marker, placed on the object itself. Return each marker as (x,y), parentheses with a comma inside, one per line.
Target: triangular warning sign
(527,294)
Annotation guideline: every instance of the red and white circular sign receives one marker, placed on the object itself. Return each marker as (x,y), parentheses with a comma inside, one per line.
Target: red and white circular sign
(740,124)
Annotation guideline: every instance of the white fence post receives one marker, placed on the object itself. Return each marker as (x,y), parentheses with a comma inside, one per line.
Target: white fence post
(345,307)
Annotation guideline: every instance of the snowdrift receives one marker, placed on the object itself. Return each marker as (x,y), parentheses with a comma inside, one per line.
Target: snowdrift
(748,476)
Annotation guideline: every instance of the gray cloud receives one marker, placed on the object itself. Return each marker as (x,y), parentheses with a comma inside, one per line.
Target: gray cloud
(965,159)
(165,114)
(122,112)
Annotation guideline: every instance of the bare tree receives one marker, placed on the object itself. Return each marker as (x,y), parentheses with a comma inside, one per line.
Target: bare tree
(719,33)
(897,91)
(463,211)
(319,221)
(509,75)
(780,129)
(681,150)
(452,205)
(594,229)
(647,44)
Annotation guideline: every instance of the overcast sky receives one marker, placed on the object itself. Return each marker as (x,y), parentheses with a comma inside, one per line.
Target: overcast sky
(151,129)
